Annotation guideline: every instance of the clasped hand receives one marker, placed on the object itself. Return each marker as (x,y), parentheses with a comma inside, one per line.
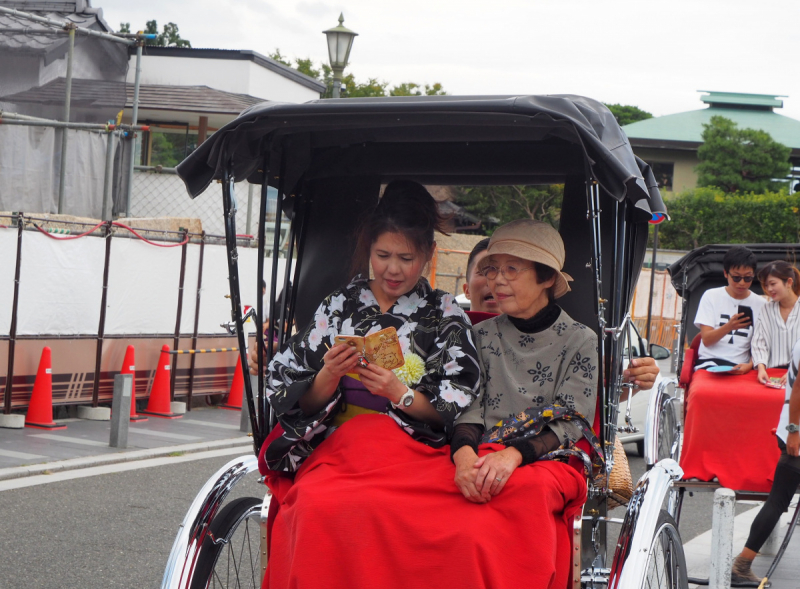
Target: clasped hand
(480,479)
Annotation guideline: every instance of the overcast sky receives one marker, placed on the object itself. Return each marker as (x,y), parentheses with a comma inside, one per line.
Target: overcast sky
(654,54)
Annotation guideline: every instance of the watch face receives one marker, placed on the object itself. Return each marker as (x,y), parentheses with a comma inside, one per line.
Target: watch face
(792,428)
(407,399)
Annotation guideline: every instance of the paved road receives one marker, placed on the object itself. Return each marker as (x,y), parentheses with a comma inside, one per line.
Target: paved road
(106,531)
(116,530)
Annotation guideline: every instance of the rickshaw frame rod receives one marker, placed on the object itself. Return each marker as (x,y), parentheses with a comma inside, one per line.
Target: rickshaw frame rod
(704,486)
(273,283)
(229,210)
(12,331)
(192,531)
(262,221)
(276,243)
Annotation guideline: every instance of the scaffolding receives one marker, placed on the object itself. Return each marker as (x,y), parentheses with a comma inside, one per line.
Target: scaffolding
(114,132)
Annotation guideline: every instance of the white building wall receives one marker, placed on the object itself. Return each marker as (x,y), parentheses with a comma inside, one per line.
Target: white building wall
(272,86)
(223,74)
(229,75)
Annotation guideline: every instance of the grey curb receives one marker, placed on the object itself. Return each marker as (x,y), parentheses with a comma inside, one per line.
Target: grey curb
(89,461)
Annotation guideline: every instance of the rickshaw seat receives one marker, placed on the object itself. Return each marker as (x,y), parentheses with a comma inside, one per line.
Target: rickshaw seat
(689,360)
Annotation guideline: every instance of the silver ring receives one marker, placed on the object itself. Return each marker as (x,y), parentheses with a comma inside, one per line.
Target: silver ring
(498,479)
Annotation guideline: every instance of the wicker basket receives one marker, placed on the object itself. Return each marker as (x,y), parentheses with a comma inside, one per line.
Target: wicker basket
(620,482)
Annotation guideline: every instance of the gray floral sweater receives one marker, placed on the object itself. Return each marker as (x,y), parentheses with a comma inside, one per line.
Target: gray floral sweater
(524,370)
(429,324)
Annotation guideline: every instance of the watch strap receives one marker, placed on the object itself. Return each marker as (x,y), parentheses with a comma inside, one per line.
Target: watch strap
(401,401)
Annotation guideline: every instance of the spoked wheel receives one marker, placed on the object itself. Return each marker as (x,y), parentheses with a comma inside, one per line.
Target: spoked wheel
(669,430)
(231,552)
(666,562)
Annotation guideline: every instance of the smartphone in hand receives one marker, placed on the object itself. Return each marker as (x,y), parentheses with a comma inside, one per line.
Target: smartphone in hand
(748,312)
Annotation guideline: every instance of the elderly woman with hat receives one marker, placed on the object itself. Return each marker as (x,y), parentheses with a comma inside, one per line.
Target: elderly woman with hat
(539,366)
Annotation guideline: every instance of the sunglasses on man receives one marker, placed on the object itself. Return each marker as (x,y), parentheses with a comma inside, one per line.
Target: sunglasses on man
(740,278)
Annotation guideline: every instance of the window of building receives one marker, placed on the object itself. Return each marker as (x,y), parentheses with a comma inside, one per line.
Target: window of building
(167,147)
(663,172)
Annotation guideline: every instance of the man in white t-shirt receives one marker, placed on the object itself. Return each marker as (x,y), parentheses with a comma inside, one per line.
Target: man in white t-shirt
(724,330)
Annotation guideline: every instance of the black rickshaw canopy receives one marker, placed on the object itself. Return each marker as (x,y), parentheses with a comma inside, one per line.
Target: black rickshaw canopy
(522,139)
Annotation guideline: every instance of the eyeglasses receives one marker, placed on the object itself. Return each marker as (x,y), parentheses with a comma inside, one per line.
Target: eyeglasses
(747,279)
(508,271)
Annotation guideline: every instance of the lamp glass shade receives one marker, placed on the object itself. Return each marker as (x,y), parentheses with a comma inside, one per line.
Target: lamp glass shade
(340,40)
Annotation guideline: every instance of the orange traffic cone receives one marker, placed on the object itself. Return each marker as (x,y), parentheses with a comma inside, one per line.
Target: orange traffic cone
(234,401)
(158,404)
(40,409)
(128,367)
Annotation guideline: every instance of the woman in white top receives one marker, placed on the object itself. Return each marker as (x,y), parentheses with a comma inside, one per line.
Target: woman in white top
(778,324)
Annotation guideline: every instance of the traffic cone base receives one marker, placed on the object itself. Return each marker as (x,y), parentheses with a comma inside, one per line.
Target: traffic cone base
(158,405)
(40,407)
(162,415)
(234,400)
(129,368)
(47,426)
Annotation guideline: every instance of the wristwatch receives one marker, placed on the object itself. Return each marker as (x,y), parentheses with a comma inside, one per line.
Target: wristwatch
(406,400)
(793,428)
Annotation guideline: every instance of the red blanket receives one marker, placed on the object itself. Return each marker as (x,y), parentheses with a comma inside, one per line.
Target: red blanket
(728,430)
(373,508)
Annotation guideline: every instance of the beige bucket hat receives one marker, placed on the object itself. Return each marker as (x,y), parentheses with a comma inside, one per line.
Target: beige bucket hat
(535,241)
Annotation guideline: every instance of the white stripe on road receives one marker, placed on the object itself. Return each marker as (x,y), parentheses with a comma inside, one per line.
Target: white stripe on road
(149,432)
(69,440)
(209,424)
(67,475)
(22,455)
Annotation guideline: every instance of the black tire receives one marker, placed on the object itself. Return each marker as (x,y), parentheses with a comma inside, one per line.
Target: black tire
(230,554)
(666,562)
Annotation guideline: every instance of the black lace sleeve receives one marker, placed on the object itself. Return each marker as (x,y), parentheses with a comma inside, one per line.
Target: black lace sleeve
(466,434)
(535,447)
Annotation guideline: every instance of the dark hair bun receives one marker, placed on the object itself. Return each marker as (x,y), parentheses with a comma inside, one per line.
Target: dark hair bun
(406,207)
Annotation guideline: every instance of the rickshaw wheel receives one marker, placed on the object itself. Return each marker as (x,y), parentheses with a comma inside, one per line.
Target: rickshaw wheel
(669,434)
(230,554)
(666,562)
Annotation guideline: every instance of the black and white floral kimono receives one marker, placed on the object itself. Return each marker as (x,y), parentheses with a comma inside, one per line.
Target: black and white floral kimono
(430,325)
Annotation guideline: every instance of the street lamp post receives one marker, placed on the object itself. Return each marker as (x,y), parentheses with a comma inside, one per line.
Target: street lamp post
(340,41)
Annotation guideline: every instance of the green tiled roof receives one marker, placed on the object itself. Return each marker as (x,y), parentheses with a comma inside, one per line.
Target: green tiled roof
(757,100)
(688,126)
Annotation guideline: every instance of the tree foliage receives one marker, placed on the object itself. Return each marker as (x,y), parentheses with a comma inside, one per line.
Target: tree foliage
(710,215)
(740,160)
(507,203)
(169,37)
(627,114)
(352,88)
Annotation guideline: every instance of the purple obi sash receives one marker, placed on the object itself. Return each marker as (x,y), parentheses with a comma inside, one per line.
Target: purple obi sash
(355,393)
